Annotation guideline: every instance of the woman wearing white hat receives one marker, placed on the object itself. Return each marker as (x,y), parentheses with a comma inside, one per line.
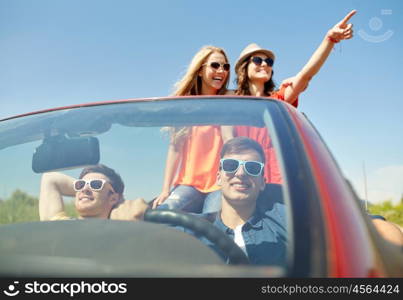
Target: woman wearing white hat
(254,70)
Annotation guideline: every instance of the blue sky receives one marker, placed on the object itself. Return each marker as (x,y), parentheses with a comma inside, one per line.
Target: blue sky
(63,52)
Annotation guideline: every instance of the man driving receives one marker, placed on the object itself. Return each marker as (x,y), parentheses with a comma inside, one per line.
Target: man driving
(260,233)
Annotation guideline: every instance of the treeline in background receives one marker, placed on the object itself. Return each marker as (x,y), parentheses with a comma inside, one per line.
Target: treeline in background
(21,207)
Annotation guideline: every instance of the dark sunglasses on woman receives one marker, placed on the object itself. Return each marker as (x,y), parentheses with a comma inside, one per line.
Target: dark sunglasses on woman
(252,168)
(217,65)
(258,61)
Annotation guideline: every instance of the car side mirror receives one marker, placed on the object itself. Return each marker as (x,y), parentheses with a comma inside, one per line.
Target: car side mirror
(61,152)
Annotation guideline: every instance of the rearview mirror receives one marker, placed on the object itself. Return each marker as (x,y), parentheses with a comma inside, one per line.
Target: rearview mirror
(61,152)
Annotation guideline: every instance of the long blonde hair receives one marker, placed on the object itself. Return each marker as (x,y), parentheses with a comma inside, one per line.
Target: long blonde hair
(191,84)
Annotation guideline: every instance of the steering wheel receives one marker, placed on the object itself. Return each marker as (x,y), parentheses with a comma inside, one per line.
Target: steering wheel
(202,227)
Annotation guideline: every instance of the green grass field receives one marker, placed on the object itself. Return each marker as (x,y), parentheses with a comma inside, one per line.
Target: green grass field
(21,207)
(393,213)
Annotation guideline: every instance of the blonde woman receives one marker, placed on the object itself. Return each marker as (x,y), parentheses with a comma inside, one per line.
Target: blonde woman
(193,152)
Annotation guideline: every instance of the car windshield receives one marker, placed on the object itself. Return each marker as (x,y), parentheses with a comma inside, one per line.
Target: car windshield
(133,138)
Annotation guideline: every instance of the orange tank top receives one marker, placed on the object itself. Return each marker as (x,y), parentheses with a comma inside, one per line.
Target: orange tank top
(200,158)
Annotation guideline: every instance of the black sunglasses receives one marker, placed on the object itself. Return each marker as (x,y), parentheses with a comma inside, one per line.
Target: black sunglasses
(258,61)
(95,184)
(216,66)
(252,168)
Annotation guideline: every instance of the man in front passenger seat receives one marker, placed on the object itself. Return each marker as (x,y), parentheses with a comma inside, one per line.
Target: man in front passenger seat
(97,191)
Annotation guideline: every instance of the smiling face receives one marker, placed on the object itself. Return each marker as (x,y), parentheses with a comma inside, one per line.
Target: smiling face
(95,204)
(240,189)
(259,73)
(213,79)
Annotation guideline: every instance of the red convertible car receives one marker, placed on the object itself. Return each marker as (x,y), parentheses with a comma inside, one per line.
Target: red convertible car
(329,233)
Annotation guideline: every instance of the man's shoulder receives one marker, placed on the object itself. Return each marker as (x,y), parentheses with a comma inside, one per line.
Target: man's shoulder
(276,207)
(276,214)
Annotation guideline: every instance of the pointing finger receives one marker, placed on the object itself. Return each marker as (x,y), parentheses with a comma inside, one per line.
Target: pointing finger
(347,18)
